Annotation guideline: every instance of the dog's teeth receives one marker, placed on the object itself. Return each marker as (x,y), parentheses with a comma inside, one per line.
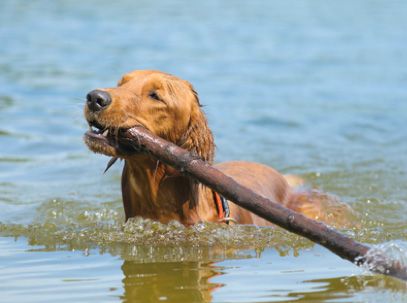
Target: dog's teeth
(105,132)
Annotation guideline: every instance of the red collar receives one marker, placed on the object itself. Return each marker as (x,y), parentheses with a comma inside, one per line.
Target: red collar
(222,206)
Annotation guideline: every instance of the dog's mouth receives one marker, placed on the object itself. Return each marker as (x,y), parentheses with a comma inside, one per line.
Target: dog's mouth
(105,140)
(106,135)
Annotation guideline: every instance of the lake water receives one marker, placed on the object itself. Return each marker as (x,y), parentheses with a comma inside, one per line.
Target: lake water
(315,88)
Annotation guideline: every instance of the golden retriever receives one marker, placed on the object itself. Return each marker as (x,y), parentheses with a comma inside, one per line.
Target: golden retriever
(169,107)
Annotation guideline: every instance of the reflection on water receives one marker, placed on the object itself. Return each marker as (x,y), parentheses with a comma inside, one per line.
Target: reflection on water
(174,263)
(171,282)
(69,275)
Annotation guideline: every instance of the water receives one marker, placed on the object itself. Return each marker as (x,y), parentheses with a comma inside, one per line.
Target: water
(312,88)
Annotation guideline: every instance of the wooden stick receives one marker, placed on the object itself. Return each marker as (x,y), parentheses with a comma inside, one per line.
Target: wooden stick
(191,165)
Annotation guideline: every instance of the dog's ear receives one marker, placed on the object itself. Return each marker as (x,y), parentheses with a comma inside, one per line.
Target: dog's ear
(198,137)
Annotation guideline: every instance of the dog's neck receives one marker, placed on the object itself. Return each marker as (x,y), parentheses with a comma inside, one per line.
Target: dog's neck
(154,190)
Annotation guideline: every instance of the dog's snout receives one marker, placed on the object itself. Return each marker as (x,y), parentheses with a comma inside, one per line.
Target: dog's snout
(98,100)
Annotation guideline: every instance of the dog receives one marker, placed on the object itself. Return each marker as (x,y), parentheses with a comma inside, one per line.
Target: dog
(169,107)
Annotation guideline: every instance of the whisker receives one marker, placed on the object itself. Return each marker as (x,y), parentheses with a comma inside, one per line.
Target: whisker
(121,73)
(77,107)
(77,114)
(77,104)
(77,118)
(83,100)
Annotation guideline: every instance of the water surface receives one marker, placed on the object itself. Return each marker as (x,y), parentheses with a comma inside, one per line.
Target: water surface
(309,87)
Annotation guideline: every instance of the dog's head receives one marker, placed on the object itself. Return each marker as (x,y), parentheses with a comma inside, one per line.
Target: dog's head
(165,105)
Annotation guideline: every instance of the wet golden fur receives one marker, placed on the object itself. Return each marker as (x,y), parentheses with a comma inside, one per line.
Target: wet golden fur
(169,107)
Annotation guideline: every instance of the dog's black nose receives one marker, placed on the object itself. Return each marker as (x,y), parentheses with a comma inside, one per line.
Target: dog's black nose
(98,100)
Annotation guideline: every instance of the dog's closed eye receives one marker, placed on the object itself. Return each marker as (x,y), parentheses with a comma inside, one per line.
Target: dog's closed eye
(155,97)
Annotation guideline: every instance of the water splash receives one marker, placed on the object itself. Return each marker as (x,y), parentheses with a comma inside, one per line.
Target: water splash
(90,227)
(144,239)
(387,258)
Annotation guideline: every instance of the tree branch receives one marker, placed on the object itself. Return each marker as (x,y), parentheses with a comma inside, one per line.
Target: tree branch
(191,165)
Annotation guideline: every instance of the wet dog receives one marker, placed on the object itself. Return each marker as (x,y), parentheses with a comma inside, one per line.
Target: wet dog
(169,107)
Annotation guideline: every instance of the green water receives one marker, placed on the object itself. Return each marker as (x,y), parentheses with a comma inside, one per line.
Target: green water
(312,88)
